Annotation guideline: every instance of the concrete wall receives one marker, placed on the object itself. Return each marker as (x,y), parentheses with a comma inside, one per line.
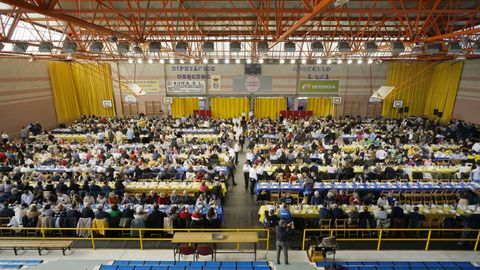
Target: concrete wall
(25,95)
(467,104)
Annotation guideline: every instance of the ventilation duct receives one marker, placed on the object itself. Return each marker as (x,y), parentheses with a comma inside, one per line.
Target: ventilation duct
(370,47)
(20,47)
(398,47)
(317,47)
(208,46)
(155,47)
(235,46)
(69,46)
(289,46)
(96,46)
(45,47)
(123,47)
(344,47)
(262,47)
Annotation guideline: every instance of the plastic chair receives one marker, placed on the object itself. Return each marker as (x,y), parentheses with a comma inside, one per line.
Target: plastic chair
(185,250)
(206,250)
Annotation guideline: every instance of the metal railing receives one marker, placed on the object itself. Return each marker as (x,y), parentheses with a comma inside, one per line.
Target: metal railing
(381,235)
(25,233)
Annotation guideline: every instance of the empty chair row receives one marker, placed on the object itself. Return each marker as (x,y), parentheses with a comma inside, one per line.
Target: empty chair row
(191,263)
(178,267)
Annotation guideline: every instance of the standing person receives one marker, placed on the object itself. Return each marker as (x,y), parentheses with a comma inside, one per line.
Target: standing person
(246,173)
(5,137)
(231,172)
(283,231)
(237,148)
(252,175)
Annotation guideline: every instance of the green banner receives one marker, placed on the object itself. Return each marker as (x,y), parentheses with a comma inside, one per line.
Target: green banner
(318,86)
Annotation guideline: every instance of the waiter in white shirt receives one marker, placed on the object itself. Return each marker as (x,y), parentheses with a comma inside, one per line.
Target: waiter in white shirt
(252,175)
(246,173)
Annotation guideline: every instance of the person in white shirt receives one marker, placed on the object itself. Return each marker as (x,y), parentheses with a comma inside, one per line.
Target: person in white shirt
(246,173)
(130,135)
(381,155)
(382,201)
(27,197)
(237,148)
(5,137)
(252,175)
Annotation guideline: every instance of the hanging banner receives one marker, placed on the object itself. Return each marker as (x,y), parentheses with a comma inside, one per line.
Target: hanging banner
(215,83)
(147,86)
(318,86)
(186,87)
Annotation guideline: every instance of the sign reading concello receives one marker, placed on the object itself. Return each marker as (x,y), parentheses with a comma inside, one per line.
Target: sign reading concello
(318,86)
(186,87)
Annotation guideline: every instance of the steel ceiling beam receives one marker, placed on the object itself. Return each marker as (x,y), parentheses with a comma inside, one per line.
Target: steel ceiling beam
(67,18)
(453,34)
(319,7)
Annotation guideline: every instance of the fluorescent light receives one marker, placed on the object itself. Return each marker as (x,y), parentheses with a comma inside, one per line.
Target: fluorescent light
(304,61)
(260,61)
(319,61)
(192,61)
(292,61)
(171,61)
(237,61)
(140,61)
(359,61)
(205,60)
(370,61)
(282,61)
(162,61)
(329,61)
(150,61)
(249,61)
(227,61)
(339,61)
(215,61)
(130,61)
(349,61)
(182,61)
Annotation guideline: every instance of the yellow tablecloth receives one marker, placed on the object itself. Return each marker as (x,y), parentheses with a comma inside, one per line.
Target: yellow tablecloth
(312,211)
(192,187)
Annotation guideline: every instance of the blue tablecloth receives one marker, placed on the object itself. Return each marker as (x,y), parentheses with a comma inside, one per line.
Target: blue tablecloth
(298,187)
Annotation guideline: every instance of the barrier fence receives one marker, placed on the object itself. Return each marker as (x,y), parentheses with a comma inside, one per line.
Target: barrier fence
(342,235)
(24,233)
(427,235)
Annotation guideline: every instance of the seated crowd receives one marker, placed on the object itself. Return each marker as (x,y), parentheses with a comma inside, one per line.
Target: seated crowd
(81,175)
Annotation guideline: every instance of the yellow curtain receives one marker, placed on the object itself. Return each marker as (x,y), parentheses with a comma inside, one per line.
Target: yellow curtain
(443,89)
(321,106)
(269,107)
(423,87)
(63,91)
(79,89)
(184,106)
(411,81)
(229,107)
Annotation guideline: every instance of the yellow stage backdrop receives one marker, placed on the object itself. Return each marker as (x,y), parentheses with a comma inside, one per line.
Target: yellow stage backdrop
(423,87)
(184,106)
(269,107)
(321,106)
(80,89)
(229,107)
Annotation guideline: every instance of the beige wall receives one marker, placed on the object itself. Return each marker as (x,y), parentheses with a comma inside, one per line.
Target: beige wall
(467,104)
(25,95)
(357,82)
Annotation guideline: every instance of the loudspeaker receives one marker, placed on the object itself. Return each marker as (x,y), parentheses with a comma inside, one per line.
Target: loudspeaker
(400,110)
(405,110)
(440,114)
(435,112)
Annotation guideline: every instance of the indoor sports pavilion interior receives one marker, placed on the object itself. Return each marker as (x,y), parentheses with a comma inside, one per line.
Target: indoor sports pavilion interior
(240,134)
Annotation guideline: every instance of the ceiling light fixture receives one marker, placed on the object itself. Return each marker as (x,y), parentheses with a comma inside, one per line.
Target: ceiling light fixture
(282,61)
(349,61)
(319,61)
(339,61)
(130,60)
(249,61)
(237,61)
(260,61)
(370,61)
(304,61)
(150,61)
(227,61)
(329,61)
(140,61)
(162,61)
(171,61)
(292,61)
(215,61)
(192,61)
(205,60)
(182,61)
(359,61)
